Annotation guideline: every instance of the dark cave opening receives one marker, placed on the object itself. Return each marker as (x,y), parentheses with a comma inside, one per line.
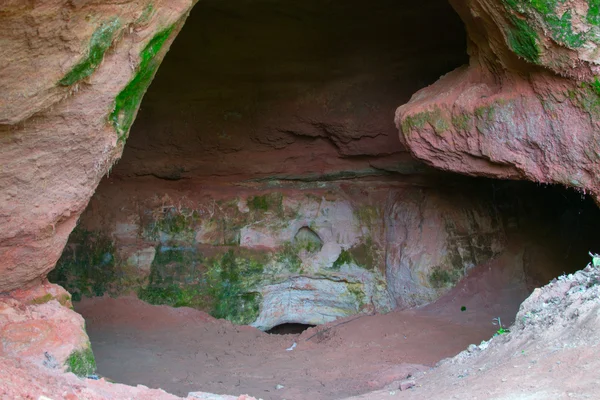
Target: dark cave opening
(289,328)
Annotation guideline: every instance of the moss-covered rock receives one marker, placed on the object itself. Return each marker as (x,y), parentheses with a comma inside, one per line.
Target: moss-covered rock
(87,265)
(99,43)
(82,362)
(128,100)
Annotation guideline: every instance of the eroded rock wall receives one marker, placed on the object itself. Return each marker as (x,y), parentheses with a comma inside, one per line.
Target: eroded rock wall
(269,256)
(71,78)
(527,105)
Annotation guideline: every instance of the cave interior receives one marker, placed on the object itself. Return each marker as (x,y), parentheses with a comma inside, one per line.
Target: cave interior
(264,183)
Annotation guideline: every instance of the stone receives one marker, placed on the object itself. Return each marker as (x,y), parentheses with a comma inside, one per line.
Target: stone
(407,384)
(38,325)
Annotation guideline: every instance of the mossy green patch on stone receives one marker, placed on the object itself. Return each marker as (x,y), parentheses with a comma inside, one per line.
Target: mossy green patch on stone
(82,362)
(587,97)
(439,278)
(175,223)
(523,40)
(307,240)
(523,14)
(363,254)
(42,299)
(593,13)
(485,115)
(367,214)
(258,203)
(87,265)
(128,100)
(225,285)
(146,15)
(357,292)
(434,118)
(100,42)
(461,121)
(288,256)
(232,285)
(270,202)
(344,258)
(561,29)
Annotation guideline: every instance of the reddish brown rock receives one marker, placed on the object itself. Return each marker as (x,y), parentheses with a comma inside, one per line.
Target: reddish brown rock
(39,325)
(526,107)
(56,140)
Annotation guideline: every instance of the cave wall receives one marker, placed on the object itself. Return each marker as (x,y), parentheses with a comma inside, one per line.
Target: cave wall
(272,255)
(290,90)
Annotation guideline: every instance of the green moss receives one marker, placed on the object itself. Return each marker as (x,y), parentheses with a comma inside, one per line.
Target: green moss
(224,286)
(87,265)
(523,40)
(177,224)
(128,100)
(486,114)
(363,254)
(418,121)
(461,121)
(561,29)
(367,215)
(344,258)
(595,86)
(593,13)
(100,42)
(587,97)
(288,256)
(356,291)
(82,362)
(231,283)
(146,15)
(440,278)
(42,299)
(272,202)
(307,240)
(258,203)
(172,295)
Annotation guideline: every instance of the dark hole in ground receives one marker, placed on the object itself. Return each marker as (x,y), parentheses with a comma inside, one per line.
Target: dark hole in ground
(289,329)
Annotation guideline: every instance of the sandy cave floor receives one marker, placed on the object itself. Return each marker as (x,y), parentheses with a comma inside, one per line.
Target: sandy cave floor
(184,350)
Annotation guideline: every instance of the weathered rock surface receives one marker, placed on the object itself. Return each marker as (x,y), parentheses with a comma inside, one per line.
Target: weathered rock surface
(22,379)
(71,78)
(292,90)
(304,256)
(39,325)
(274,255)
(528,104)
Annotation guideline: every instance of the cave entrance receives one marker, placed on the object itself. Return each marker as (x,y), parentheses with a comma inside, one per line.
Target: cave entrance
(289,329)
(264,182)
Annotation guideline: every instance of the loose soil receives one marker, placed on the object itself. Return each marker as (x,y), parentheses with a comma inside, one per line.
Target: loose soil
(184,350)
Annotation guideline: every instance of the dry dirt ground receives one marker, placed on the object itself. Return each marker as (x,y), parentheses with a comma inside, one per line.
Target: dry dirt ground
(185,350)
(551,352)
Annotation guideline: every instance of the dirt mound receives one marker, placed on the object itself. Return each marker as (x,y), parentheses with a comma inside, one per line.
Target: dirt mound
(551,351)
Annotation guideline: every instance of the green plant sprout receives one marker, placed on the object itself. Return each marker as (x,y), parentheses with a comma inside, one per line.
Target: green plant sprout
(501,330)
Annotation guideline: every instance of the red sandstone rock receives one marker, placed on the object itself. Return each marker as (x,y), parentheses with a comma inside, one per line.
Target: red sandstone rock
(38,325)
(520,113)
(55,139)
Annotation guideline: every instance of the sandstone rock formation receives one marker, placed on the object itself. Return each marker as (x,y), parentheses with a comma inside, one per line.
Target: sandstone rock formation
(71,79)
(527,105)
